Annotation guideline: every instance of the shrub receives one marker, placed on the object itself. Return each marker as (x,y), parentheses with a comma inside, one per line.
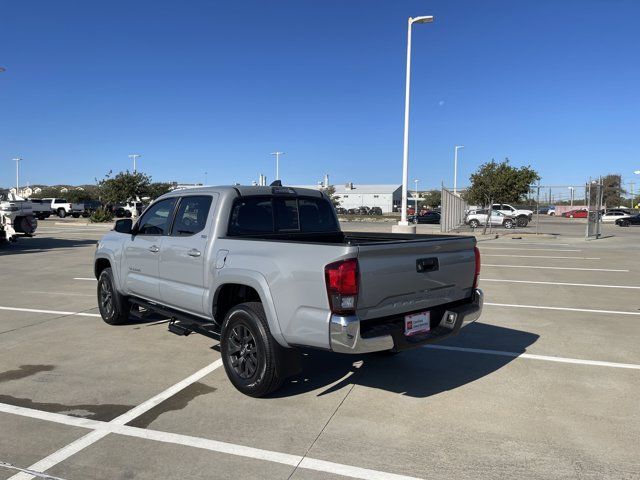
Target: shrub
(100,216)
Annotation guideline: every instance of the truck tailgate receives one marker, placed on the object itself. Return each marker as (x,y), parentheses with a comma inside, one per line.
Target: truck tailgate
(405,276)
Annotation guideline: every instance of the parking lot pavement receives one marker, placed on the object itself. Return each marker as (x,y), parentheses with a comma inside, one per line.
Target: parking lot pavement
(545,385)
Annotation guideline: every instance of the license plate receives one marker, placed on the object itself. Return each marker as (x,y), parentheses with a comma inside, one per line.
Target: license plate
(417,323)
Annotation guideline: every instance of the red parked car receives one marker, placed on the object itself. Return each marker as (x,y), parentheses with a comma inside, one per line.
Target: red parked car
(582,213)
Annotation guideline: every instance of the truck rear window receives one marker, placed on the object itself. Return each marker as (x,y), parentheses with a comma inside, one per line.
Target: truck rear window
(261,215)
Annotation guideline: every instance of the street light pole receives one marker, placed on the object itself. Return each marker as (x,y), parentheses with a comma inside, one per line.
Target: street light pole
(416,201)
(455,168)
(17,160)
(405,151)
(277,155)
(134,157)
(571,190)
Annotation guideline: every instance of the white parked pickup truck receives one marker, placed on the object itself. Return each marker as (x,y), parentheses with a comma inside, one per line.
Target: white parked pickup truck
(266,269)
(475,218)
(62,208)
(16,216)
(507,209)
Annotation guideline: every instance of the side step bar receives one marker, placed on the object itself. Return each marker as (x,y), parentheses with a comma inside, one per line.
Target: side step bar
(181,323)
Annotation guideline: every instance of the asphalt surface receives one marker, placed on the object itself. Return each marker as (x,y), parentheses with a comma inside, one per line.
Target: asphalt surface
(545,385)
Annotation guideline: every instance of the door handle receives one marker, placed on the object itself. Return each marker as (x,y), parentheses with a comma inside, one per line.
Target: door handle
(154,249)
(193,253)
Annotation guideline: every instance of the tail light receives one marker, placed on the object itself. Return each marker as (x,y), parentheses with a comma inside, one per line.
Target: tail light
(476,275)
(342,285)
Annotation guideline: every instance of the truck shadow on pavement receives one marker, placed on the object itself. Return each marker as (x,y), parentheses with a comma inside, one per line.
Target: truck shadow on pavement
(421,372)
(33,245)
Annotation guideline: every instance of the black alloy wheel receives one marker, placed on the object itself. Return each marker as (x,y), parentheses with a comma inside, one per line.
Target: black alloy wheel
(250,354)
(243,351)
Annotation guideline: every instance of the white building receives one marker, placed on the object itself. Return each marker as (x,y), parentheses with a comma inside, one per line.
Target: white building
(353,195)
(384,196)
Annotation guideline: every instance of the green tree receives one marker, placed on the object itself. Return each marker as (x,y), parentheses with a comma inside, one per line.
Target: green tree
(47,192)
(154,190)
(432,198)
(612,190)
(123,187)
(331,193)
(500,182)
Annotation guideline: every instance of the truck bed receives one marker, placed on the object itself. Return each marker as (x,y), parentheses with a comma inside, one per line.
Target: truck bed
(347,238)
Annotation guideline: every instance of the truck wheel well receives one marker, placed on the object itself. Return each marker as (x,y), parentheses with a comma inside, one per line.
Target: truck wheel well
(232,294)
(100,265)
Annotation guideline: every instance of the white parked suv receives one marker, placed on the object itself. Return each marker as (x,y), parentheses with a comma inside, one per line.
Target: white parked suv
(62,208)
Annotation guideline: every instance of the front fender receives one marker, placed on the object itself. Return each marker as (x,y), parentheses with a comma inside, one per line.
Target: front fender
(110,250)
(256,281)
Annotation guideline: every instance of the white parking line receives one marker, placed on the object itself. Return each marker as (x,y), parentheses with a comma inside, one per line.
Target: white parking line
(86,278)
(100,432)
(530,356)
(481,247)
(60,293)
(52,312)
(560,283)
(556,268)
(564,309)
(162,396)
(537,256)
(101,429)
(535,243)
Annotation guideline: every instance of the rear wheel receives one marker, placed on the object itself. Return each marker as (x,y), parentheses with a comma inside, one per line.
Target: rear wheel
(62,213)
(114,308)
(249,351)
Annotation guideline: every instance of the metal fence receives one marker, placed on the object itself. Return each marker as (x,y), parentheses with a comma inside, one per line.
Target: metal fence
(453,211)
(594,205)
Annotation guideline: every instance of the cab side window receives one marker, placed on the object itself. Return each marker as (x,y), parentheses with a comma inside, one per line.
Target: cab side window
(191,216)
(157,219)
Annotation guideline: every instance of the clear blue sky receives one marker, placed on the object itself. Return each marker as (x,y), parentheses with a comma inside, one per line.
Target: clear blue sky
(215,86)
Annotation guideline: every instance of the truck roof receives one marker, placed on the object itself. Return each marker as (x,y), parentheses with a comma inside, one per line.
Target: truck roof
(246,190)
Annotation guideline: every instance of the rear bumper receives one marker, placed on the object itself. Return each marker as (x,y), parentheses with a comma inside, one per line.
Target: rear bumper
(350,335)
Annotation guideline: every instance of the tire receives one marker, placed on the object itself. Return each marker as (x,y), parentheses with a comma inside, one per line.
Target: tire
(114,308)
(127,214)
(522,221)
(62,213)
(508,224)
(474,223)
(249,351)
(76,215)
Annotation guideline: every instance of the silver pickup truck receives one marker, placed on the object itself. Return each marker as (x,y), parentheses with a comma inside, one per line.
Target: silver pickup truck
(266,269)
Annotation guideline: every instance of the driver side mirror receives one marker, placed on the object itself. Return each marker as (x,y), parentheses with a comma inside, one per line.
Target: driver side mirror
(124,225)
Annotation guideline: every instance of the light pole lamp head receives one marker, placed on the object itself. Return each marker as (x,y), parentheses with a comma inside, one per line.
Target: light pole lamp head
(423,19)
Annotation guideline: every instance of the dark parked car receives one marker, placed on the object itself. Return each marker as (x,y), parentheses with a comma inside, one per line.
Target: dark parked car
(91,206)
(627,222)
(545,210)
(426,217)
(621,210)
